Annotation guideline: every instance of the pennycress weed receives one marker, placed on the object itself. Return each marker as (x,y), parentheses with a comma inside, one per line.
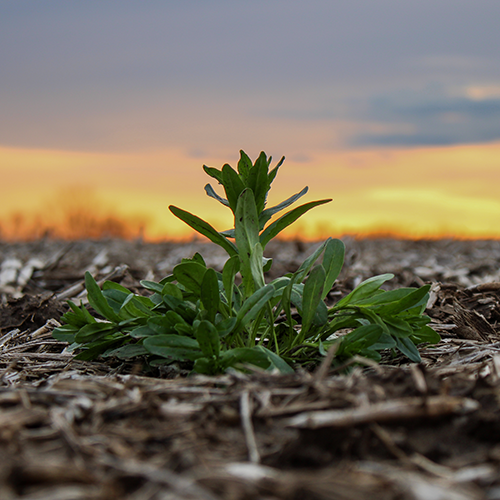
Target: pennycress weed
(215,321)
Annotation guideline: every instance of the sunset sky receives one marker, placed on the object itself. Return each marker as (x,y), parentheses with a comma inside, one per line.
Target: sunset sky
(390,108)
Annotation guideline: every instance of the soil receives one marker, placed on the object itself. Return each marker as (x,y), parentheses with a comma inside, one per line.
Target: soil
(102,430)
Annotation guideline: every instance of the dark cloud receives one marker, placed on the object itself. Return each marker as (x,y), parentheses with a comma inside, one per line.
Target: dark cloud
(431,120)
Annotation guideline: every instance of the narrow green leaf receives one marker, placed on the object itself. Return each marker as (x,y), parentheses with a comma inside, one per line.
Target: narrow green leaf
(284,221)
(269,212)
(244,166)
(97,299)
(274,171)
(205,229)
(213,172)
(210,192)
(425,334)
(333,260)
(127,351)
(275,360)
(364,290)
(258,181)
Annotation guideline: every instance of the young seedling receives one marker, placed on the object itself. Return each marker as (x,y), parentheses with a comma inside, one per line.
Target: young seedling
(214,322)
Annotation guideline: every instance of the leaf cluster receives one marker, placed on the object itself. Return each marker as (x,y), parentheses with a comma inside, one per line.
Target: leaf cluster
(215,320)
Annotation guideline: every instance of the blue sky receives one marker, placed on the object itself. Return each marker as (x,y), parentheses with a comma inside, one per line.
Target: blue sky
(112,75)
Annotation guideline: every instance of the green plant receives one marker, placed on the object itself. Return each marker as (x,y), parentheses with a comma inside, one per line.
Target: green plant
(214,321)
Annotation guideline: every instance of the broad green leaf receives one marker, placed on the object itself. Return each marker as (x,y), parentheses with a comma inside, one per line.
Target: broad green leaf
(233,185)
(244,355)
(225,327)
(138,306)
(425,334)
(142,331)
(111,285)
(190,275)
(256,265)
(171,290)
(210,296)
(126,351)
(397,326)
(205,229)
(284,221)
(176,347)
(208,339)
(407,347)
(210,192)
(269,212)
(165,324)
(152,285)
(313,289)
(95,349)
(78,316)
(95,331)
(364,290)
(65,333)
(97,299)
(361,338)
(247,236)
(333,260)
(276,361)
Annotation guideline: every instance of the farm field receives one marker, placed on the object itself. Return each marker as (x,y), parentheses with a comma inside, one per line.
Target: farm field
(109,429)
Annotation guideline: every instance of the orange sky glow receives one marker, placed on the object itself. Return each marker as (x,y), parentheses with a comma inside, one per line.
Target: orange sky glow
(424,192)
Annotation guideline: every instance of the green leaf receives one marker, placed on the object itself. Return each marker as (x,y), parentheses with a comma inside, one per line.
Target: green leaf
(95,331)
(92,351)
(244,166)
(213,172)
(151,285)
(253,306)
(362,338)
(247,236)
(172,290)
(407,347)
(205,229)
(65,333)
(333,260)
(142,331)
(210,192)
(208,339)
(258,181)
(425,334)
(275,360)
(244,355)
(284,221)
(233,185)
(313,289)
(176,347)
(165,324)
(97,299)
(231,267)
(307,265)
(190,275)
(210,296)
(127,351)
(274,171)
(269,212)
(364,290)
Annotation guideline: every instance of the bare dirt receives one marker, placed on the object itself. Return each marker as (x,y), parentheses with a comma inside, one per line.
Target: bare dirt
(73,430)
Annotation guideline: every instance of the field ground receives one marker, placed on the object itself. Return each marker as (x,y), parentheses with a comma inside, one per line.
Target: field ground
(73,430)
